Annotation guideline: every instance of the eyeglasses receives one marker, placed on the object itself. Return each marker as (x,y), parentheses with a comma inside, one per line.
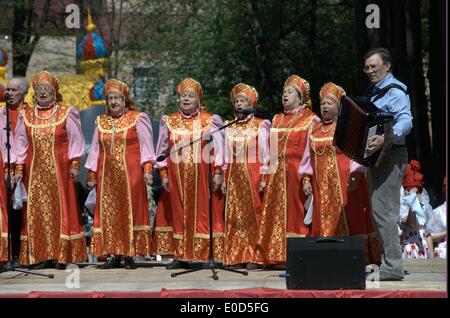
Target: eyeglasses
(43,89)
(114,98)
(369,68)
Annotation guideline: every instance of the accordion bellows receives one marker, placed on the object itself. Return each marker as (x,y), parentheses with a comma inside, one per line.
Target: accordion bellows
(358,120)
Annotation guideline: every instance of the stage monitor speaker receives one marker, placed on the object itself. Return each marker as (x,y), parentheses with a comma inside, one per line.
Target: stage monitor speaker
(325,263)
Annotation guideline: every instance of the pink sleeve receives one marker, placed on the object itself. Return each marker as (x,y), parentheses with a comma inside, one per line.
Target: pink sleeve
(218,141)
(163,142)
(12,157)
(305,166)
(263,144)
(20,141)
(356,167)
(226,152)
(145,136)
(92,159)
(74,134)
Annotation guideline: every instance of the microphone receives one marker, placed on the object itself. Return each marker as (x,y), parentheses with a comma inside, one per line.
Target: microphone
(247,111)
(258,112)
(6,95)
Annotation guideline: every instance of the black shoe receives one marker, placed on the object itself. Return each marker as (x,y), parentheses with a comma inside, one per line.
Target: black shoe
(129,262)
(111,262)
(251,266)
(389,277)
(45,264)
(60,266)
(10,265)
(176,264)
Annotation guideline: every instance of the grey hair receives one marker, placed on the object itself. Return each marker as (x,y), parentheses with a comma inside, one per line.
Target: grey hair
(384,55)
(23,84)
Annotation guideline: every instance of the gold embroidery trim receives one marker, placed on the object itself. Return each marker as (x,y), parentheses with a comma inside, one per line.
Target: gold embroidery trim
(102,119)
(163,229)
(53,124)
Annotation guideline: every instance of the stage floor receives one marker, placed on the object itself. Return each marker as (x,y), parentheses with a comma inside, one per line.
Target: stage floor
(424,275)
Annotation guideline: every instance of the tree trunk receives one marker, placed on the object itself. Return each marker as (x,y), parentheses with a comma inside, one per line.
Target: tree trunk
(21,35)
(419,138)
(437,38)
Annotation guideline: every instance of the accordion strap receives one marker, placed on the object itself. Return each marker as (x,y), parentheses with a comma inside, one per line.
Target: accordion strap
(381,92)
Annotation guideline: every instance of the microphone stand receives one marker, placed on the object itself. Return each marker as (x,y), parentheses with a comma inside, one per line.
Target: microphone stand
(10,265)
(210,264)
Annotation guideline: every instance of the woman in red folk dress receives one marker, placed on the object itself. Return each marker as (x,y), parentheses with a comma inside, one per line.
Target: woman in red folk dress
(120,166)
(49,135)
(341,201)
(182,215)
(283,202)
(246,159)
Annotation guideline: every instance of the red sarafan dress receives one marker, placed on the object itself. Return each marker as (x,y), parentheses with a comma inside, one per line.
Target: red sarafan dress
(182,214)
(52,227)
(246,151)
(283,202)
(338,211)
(121,151)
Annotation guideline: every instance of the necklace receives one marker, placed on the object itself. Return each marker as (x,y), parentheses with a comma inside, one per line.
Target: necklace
(333,125)
(114,124)
(313,145)
(242,129)
(36,112)
(186,119)
(291,123)
(238,149)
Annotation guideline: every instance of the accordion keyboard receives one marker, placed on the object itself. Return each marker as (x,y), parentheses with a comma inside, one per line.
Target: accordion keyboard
(372,131)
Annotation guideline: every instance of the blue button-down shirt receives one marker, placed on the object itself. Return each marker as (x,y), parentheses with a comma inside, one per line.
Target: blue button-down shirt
(396,102)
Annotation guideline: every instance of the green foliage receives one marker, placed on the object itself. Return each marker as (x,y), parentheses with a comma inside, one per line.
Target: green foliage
(223,42)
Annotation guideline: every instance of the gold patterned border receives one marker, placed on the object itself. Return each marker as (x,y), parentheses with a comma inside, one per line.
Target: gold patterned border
(56,123)
(289,234)
(132,124)
(312,138)
(206,236)
(72,237)
(303,127)
(163,229)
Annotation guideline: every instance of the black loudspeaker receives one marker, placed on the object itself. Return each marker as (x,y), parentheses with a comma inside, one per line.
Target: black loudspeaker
(325,263)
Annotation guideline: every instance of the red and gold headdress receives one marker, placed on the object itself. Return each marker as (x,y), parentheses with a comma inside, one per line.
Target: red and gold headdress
(189,84)
(332,91)
(47,78)
(245,90)
(302,86)
(114,85)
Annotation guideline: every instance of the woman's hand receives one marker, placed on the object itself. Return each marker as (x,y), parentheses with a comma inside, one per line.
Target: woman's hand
(217,182)
(262,186)
(224,188)
(307,188)
(148,178)
(165,184)
(74,173)
(90,185)
(352,183)
(18,177)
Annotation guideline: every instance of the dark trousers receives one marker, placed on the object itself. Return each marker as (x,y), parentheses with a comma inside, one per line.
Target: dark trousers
(16,228)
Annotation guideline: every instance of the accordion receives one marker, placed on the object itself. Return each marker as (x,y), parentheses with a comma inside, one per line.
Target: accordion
(358,120)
